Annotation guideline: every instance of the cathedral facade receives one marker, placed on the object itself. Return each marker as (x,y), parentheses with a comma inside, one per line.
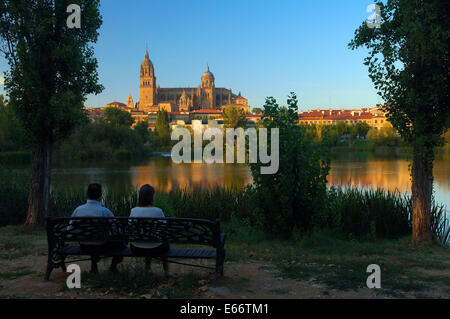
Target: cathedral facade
(205,97)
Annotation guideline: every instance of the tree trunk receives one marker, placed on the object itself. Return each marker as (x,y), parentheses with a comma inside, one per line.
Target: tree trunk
(39,196)
(422,189)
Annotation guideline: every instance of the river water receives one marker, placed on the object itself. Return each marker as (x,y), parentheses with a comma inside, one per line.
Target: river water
(347,170)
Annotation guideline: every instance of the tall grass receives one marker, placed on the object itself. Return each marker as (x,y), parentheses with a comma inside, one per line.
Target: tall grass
(355,213)
(368,213)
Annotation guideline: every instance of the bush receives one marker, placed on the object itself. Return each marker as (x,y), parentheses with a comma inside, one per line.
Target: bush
(101,141)
(123,155)
(289,199)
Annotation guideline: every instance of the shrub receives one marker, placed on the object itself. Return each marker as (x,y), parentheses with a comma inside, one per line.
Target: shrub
(123,155)
(103,141)
(288,199)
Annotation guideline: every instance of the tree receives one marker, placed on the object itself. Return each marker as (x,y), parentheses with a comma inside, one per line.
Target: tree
(52,70)
(342,128)
(141,129)
(162,128)
(117,117)
(12,135)
(362,128)
(234,117)
(408,62)
(287,200)
(258,111)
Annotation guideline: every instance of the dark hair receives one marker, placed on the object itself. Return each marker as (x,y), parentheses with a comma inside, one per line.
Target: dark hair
(146,196)
(94,191)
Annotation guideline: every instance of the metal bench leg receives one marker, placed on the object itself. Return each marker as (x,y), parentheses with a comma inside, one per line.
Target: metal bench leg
(48,272)
(216,278)
(63,264)
(94,267)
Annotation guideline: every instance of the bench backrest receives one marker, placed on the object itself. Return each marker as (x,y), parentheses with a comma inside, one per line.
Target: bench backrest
(127,229)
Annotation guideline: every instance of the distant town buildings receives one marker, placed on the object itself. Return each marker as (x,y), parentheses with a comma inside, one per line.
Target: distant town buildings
(374,117)
(206,102)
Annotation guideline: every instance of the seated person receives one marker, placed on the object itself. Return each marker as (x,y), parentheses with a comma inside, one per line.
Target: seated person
(93,208)
(146,210)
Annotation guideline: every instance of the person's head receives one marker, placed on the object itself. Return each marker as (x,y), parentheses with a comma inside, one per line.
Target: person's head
(94,192)
(146,196)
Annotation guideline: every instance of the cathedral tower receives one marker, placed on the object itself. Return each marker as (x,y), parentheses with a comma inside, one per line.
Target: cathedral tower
(208,88)
(147,89)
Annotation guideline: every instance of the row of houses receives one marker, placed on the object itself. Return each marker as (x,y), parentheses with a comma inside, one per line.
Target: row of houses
(374,117)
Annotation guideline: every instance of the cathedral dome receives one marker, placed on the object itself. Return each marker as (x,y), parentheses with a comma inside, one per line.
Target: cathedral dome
(207,75)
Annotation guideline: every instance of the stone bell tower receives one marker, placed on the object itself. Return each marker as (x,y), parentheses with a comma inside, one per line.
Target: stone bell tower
(147,88)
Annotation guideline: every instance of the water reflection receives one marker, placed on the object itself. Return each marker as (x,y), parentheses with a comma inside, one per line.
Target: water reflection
(360,171)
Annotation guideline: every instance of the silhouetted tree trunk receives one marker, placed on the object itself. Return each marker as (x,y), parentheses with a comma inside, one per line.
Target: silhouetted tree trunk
(39,196)
(422,190)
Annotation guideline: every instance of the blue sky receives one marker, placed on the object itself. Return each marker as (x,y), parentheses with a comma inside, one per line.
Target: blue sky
(262,48)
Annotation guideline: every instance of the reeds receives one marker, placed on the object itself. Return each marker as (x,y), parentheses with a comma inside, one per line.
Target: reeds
(356,213)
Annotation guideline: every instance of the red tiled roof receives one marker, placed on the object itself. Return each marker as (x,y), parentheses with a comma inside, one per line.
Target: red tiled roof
(207,112)
(335,115)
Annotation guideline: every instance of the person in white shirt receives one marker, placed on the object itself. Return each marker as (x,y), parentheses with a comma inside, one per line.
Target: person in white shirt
(147,210)
(93,208)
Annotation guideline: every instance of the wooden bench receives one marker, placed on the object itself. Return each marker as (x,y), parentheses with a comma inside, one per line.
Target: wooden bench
(65,234)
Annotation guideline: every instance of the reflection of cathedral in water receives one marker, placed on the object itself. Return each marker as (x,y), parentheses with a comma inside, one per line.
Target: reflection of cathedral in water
(165,175)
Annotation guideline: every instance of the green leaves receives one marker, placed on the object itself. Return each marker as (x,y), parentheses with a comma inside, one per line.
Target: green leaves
(408,63)
(289,199)
(234,117)
(52,68)
(117,117)
(162,128)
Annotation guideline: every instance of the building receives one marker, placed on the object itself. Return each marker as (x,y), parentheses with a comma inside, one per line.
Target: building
(205,101)
(205,97)
(374,117)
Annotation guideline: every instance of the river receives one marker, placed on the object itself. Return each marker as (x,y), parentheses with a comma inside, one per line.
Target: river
(356,170)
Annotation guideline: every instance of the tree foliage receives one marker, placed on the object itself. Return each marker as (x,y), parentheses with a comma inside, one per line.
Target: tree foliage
(234,117)
(117,117)
(409,65)
(289,199)
(141,128)
(52,68)
(162,129)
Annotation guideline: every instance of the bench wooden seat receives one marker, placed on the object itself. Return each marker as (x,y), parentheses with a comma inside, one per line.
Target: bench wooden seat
(65,234)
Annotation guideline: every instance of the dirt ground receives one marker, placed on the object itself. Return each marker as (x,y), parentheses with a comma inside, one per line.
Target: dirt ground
(242,281)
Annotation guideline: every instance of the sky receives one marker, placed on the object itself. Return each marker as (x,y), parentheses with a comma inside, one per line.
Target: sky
(261,48)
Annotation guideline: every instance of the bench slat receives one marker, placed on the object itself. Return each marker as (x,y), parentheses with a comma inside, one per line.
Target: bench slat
(173,253)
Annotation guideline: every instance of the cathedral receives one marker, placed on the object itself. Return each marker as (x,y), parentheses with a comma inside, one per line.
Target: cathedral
(205,97)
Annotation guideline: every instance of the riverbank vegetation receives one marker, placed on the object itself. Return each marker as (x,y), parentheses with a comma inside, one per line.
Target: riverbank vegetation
(355,214)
